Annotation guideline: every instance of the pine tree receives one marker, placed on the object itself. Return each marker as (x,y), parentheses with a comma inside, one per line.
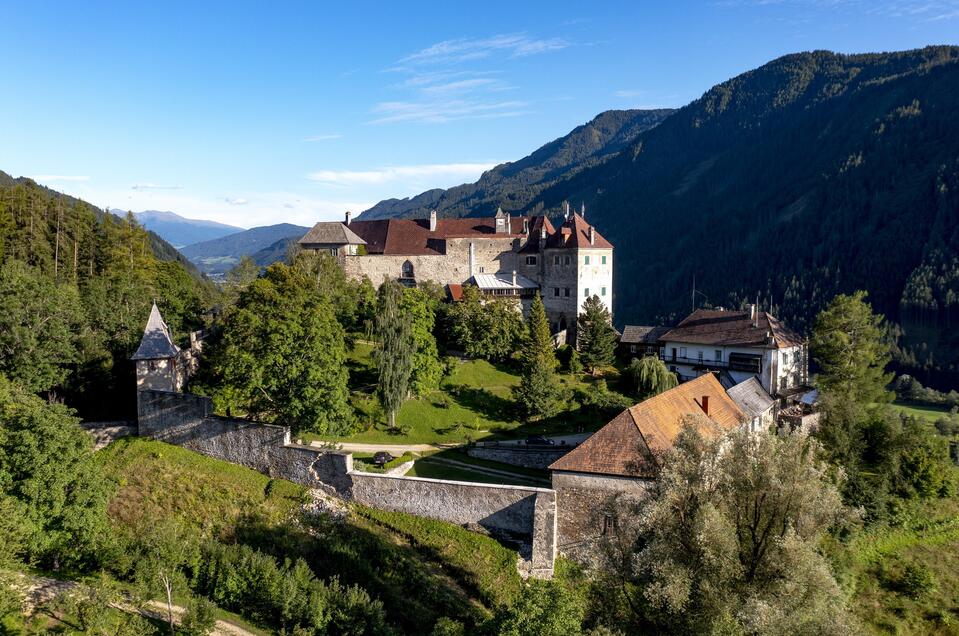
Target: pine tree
(537,391)
(394,357)
(595,334)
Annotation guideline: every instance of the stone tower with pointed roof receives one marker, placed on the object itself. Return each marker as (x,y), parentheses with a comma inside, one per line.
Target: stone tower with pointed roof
(157,358)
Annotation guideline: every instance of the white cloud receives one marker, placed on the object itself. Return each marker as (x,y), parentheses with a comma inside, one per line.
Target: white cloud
(629,93)
(323,137)
(440,111)
(462,171)
(43,178)
(468,49)
(153,186)
(236,201)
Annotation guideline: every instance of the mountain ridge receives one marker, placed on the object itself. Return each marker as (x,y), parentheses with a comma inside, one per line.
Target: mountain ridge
(181,231)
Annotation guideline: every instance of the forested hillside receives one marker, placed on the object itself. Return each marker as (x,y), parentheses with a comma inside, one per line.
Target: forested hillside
(76,285)
(514,185)
(216,256)
(812,175)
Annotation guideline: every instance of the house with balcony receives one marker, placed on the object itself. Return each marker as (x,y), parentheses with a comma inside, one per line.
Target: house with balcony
(737,346)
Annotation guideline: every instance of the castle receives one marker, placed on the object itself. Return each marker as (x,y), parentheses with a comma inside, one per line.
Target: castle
(504,256)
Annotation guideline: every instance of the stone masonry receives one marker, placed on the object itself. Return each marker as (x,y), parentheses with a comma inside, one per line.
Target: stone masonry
(187,420)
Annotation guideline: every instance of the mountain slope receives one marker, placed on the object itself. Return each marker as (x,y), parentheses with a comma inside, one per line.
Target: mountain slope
(217,256)
(513,185)
(813,175)
(182,231)
(160,247)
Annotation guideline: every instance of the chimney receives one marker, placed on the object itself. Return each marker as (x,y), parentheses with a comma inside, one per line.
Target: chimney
(472,259)
(526,226)
(705,404)
(349,217)
(514,278)
(752,312)
(592,235)
(566,210)
(432,220)
(509,223)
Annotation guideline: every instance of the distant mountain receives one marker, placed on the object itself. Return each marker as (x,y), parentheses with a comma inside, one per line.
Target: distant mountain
(181,231)
(514,185)
(216,257)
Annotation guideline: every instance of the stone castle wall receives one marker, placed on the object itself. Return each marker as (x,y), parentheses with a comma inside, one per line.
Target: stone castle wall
(518,455)
(187,420)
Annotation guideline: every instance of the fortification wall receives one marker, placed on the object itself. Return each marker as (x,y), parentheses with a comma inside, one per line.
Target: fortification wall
(187,420)
(517,455)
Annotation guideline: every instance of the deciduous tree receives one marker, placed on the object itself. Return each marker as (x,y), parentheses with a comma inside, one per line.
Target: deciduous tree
(420,307)
(650,376)
(726,541)
(395,349)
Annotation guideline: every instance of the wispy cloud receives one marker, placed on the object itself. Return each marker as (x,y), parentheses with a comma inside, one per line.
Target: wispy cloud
(59,177)
(468,49)
(153,186)
(630,93)
(236,200)
(442,111)
(399,173)
(323,137)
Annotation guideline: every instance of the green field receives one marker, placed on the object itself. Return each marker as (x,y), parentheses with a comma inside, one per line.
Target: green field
(924,411)
(473,403)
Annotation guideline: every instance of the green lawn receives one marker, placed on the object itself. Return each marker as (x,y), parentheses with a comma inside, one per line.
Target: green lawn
(924,411)
(474,402)
(432,467)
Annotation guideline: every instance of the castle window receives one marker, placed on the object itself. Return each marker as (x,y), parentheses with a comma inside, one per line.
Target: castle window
(566,292)
(718,355)
(556,260)
(407,270)
(603,260)
(152,365)
(556,292)
(609,523)
(587,292)
(586,260)
(530,260)
(566,260)
(602,291)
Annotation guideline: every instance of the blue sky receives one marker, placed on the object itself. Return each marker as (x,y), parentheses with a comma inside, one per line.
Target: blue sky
(258,113)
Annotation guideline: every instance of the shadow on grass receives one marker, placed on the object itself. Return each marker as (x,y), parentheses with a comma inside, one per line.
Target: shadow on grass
(484,402)
(415,582)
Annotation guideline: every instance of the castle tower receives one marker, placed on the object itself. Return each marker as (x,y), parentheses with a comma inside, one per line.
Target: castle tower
(156,357)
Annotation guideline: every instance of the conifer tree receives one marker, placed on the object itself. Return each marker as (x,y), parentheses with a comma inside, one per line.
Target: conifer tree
(537,391)
(394,357)
(596,338)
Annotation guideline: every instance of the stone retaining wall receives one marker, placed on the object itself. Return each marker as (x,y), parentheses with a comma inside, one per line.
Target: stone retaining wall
(187,420)
(519,455)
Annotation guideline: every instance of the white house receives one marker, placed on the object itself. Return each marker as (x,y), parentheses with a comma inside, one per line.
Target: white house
(740,345)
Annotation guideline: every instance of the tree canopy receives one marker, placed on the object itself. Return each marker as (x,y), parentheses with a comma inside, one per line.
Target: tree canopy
(537,391)
(395,349)
(596,338)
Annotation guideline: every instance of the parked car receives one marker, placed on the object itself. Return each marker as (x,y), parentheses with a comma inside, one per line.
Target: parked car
(539,439)
(382,458)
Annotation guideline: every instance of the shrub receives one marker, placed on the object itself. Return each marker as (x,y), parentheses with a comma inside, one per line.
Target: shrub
(200,618)
(916,581)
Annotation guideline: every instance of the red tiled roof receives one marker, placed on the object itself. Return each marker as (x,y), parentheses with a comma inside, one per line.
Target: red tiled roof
(732,328)
(413,236)
(455,291)
(577,230)
(626,445)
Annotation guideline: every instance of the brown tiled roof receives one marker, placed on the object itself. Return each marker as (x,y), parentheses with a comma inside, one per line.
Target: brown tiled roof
(625,446)
(455,291)
(732,328)
(413,236)
(577,230)
(635,334)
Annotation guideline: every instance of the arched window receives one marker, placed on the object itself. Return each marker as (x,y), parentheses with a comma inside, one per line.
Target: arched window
(407,270)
